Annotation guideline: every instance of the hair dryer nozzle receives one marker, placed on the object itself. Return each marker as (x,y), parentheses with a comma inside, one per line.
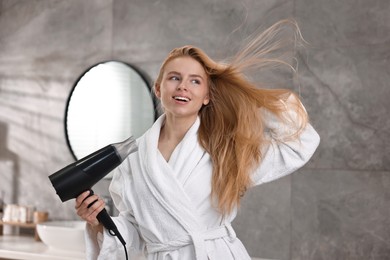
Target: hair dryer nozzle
(126,147)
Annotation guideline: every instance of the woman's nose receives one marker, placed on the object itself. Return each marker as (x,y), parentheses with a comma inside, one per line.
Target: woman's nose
(182,86)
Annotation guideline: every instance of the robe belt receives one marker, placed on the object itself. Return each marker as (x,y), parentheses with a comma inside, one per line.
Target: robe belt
(197,239)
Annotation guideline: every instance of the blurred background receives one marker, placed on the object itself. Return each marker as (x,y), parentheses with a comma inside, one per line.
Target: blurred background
(336,207)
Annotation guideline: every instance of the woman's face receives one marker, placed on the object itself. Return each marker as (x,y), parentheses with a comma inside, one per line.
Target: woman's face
(184,87)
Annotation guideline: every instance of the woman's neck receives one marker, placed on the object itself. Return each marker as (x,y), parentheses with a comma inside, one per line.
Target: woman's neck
(172,132)
(177,127)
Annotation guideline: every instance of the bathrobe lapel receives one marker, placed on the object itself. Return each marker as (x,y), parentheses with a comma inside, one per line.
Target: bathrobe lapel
(166,184)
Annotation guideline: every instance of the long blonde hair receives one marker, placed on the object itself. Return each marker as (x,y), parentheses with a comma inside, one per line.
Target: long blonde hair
(232,128)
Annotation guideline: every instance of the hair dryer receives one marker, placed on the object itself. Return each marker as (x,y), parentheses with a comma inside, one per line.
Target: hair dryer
(81,175)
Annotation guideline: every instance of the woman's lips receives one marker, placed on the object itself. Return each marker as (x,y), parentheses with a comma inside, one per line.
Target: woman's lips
(181,98)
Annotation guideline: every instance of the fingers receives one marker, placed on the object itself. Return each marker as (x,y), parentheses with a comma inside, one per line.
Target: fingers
(89,214)
(89,207)
(81,198)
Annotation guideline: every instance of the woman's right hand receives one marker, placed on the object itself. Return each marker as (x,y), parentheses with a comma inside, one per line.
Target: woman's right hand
(88,211)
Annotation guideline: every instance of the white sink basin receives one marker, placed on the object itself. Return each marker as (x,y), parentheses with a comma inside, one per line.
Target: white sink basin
(63,235)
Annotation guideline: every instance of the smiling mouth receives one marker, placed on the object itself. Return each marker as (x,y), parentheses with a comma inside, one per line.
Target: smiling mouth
(184,99)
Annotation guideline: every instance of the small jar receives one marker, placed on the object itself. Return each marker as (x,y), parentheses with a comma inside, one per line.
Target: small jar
(40,216)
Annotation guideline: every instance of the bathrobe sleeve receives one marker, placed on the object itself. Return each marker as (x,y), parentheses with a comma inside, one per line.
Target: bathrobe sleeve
(283,155)
(105,246)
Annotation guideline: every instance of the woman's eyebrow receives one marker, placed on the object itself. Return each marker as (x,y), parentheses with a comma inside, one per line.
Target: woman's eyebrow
(196,75)
(173,72)
(178,73)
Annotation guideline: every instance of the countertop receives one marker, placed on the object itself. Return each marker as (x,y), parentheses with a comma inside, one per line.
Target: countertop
(26,248)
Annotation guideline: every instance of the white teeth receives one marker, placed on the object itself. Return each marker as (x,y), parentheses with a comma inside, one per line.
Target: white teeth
(182,99)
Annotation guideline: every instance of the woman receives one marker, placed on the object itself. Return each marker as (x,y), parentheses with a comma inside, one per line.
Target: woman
(219,135)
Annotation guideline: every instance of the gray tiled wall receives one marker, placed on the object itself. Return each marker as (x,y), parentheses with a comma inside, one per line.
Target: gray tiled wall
(336,207)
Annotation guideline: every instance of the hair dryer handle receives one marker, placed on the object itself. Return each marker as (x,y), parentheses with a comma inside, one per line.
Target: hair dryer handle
(107,221)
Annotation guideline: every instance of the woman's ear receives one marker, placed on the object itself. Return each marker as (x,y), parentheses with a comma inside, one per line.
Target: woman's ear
(206,100)
(157,91)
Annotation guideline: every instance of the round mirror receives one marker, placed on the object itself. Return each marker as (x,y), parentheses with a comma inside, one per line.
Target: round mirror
(109,102)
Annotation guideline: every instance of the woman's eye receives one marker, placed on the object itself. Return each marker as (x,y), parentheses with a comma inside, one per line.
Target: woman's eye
(174,78)
(195,81)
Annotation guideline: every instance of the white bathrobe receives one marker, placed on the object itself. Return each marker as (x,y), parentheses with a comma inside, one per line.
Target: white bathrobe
(165,208)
